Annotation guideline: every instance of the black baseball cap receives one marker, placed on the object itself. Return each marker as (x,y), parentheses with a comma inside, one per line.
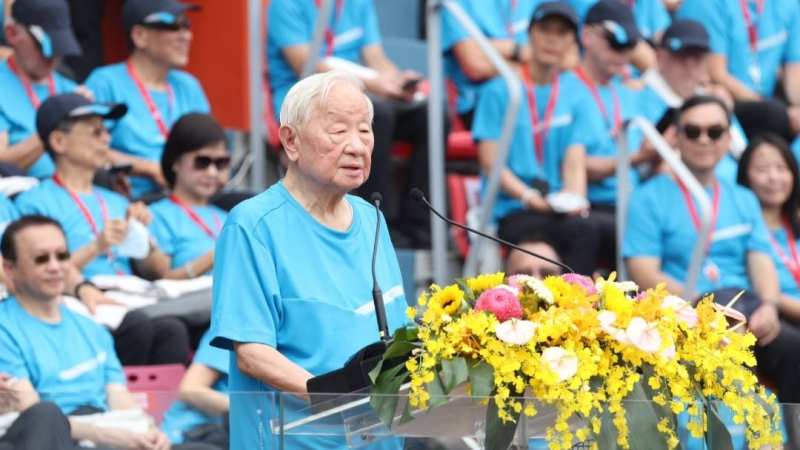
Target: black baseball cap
(684,34)
(72,106)
(49,23)
(153,12)
(617,19)
(555,9)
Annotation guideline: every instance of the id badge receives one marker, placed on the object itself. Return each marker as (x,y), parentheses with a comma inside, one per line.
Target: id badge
(711,271)
(755,73)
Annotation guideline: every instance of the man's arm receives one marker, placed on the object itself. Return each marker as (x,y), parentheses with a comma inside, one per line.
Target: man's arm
(271,367)
(139,166)
(646,272)
(196,390)
(510,183)
(476,65)
(573,170)
(718,70)
(23,154)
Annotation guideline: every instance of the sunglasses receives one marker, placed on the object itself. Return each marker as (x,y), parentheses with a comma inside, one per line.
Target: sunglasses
(616,46)
(693,132)
(47,257)
(204,162)
(182,24)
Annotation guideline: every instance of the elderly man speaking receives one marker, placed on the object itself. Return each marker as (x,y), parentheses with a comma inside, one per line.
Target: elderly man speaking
(292,277)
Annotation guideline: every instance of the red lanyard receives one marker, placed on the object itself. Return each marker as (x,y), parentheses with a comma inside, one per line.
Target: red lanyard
(540,130)
(793,265)
(330,34)
(51,84)
(631,3)
(617,124)
(687,197)
(151,105)
(82,206)
(752,30)
(510,19)
(192,215)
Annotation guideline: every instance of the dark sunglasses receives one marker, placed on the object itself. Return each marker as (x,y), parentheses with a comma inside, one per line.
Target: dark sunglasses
(44,259)
(204,162)
(182,24)
(693,132)
(616,46)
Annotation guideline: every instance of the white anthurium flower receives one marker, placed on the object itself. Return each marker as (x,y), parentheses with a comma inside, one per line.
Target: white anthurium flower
(517,332)
(607,318)
(623,286)
(730,312)
(541,291)
(682,308)
(668,352)
(563,362)
(644,335)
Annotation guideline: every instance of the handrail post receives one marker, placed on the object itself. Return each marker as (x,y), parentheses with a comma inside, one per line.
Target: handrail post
(320,26)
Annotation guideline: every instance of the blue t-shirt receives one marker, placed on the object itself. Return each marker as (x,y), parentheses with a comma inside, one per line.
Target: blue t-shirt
(137,133)
(651,16)
(660,226)
(778,37)
(788,284)
(568,127)
(494,18)
(69,363)
(182,417)
(292,23)
(18,114)
(8,213)
(284,280)
(179,236)
(51,200)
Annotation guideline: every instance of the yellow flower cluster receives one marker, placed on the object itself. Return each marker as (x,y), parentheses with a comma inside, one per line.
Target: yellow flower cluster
(584,349)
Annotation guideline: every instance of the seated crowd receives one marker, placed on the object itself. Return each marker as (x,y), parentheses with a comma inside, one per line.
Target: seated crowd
(585,67)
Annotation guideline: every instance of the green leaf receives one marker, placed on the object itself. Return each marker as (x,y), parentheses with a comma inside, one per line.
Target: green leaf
(481,377)
(454,372)
(661,411)
(436,389)
(642,420)
(406,417)
(384,397)
(399,348)
(373,374)
(468,294)
(718,436)
(499,434)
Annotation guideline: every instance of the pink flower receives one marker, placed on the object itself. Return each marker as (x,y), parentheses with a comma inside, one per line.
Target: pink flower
(580,280)
(640,296)
(644,335)
(516,281)
(502,302)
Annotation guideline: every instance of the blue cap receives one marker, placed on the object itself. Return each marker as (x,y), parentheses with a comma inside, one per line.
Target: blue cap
(617,19)
(49,23)
(555,9)
(72,106)
(153,12)
(685,34)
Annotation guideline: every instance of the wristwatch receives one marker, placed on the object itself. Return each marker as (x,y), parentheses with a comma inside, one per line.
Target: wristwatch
(516,53)
(82,284)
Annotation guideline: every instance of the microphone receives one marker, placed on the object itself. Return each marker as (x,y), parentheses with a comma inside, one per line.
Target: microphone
(377,294)
(419,197)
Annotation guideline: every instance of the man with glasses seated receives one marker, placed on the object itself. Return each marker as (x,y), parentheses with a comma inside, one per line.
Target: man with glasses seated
(40,34)
(97,220)
(150,83)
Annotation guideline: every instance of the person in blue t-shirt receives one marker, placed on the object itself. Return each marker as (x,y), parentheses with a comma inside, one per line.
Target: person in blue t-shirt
(201,413)
(39,33)
(505,24)
(354,38)
(292,282)
(547,158)
(151,83)
(652,17)
(185,225)
(663,224)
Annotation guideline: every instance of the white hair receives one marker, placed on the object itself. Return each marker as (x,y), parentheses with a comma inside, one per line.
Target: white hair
(299,105)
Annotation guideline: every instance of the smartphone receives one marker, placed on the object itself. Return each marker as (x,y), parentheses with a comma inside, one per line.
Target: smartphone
(411,84)
(121,167)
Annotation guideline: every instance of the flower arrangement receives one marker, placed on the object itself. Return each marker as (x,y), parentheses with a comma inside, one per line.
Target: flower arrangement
(590,349)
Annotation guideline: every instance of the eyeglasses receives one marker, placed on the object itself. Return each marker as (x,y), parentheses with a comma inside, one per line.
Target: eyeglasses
(178,25)
(96,131)
(693,132)
(47,257)
(204,162)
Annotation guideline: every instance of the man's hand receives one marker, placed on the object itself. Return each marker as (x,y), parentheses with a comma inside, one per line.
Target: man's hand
(387,85)
(114,231)
(9,400)
(153,171)
(139,211)
(91,296)
(765,324)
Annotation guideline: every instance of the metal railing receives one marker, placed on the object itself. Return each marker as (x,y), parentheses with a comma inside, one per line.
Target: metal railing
(679,169)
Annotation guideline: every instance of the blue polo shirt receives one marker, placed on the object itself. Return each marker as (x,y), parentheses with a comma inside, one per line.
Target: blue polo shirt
(35,350)
(778,36)
(788,284)
(182,417)
(495,19)
(284,280)
(179,236)
(137,133)
(568,127)
(51,200)
(651,15)
(660,225)
(292,23)
(18,114)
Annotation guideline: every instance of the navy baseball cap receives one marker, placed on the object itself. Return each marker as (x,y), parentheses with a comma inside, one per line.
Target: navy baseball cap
(72,106)
(617,19)
(49,23)
(685,34)
(555,9)
(153,12)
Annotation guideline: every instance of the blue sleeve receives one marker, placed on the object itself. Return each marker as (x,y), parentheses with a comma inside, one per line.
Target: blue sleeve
(5,125)
(642,233)
(581,128)
(7,209)
(160,230)
(113,368)
(793,42)
(100,86)
(490,110)
(286,25)
(212,357)
(758,241)
(661,17)
(372,34)
(26,203)
(452,31)
(712,14)
(199,100)
(12,362)
(246,304)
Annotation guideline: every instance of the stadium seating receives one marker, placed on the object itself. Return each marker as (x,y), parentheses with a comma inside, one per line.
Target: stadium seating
(155,387)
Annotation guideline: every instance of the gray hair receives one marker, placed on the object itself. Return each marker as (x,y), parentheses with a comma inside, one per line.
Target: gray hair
(298,105)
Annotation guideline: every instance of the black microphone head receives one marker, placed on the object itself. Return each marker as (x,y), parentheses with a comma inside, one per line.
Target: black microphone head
(376,197)
(417,195)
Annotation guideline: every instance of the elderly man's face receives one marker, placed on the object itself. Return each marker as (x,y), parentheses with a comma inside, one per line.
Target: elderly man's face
(335,148)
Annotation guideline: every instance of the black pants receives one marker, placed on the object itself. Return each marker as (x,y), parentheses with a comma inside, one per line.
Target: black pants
(764,116)
(42,426)
(87,23)
(576,239)
(605,216)
(141,341)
